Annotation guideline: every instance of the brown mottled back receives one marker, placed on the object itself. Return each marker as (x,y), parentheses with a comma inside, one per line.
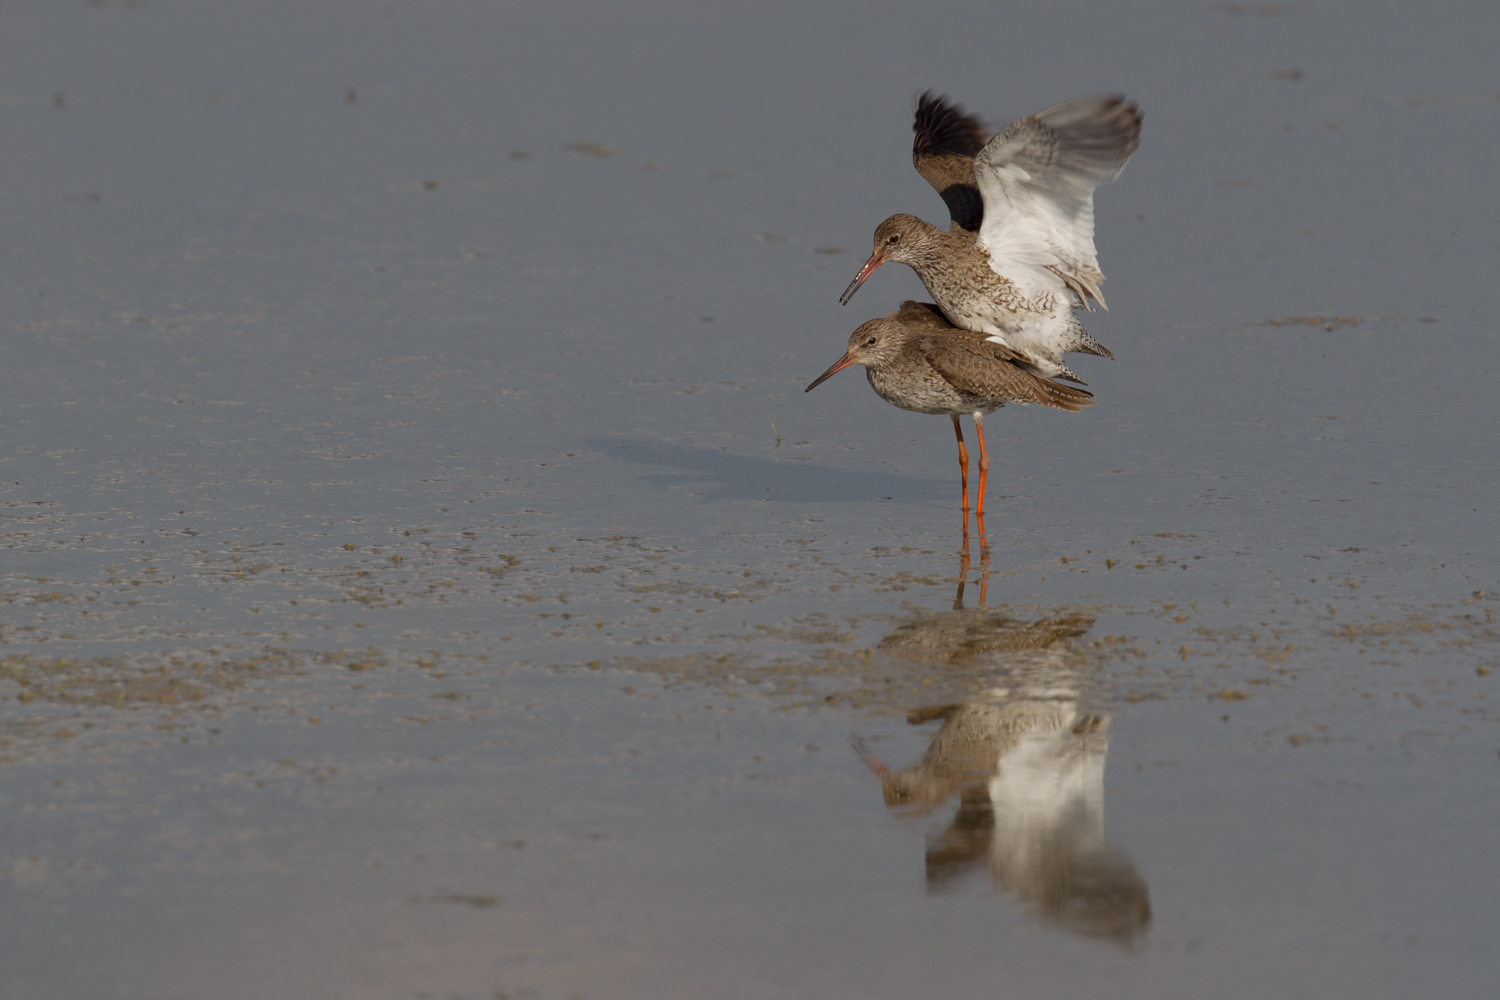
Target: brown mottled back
(913,313)
(980,367)
(984,368)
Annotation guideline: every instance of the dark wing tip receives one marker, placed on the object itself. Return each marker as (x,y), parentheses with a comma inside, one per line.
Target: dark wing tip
(1116,124)
(1095,134)
(1126,118)
(940,126)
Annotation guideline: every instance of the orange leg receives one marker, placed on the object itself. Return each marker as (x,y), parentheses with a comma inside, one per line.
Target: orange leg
(984,464)
(963,466)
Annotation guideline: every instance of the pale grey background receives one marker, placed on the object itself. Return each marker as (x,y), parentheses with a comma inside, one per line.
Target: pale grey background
(247,315)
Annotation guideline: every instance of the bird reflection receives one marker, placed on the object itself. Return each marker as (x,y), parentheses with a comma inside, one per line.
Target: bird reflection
(1026,764)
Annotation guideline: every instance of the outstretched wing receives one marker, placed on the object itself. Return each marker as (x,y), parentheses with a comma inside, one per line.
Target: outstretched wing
(943,150)
(1037,179)
(968,361)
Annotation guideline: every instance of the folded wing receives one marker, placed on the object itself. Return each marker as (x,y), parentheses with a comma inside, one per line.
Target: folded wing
(1037,181)
(967,361)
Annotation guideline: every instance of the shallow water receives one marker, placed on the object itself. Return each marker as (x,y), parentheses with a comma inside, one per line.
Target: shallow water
(425,576)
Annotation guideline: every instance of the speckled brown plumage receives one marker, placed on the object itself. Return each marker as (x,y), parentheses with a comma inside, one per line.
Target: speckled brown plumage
(1016,272)
(922,362)
(917,360)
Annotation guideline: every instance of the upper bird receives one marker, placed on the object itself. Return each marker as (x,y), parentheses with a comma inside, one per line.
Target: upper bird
(1019,255)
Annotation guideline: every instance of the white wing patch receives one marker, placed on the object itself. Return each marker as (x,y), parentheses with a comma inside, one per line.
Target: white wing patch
(1037,179)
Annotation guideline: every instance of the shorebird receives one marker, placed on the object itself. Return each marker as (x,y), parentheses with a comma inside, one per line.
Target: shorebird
(917,360)
(1019,251)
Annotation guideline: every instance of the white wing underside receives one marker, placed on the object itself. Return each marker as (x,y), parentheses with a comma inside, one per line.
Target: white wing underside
(1037,179)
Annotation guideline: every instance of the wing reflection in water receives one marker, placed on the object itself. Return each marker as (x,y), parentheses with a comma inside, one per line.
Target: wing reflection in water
(1027,766)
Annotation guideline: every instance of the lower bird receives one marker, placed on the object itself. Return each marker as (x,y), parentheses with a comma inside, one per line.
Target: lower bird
(917,360)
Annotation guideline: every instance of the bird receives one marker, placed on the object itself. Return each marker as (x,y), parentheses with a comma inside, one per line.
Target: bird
(1018,255)
(917,360)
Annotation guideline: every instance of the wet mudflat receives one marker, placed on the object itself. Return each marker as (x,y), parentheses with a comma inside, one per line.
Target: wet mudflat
(425,577)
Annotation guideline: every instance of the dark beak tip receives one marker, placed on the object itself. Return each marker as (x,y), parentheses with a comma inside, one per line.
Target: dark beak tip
(869,267)
(833,369)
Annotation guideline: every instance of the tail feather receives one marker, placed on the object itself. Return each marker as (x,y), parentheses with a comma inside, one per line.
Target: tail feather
(1080,341)
(1063,371)
(1063,397)
(1086,344)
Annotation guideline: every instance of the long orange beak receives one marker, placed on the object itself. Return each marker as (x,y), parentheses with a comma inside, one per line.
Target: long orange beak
(838,366)
(876,259)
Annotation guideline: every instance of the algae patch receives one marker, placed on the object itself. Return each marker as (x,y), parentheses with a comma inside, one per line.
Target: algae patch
(120,683)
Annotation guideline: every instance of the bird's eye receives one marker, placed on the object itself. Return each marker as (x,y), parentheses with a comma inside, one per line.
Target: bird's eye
(870,342)
(893,238)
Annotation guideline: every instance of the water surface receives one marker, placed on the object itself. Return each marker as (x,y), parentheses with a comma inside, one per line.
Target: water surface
(425,576)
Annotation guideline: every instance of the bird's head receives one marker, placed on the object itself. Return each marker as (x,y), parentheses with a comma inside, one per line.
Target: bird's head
(903,238)
(872,345)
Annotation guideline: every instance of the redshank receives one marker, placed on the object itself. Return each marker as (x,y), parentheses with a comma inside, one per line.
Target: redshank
(917,360)
(1014,268)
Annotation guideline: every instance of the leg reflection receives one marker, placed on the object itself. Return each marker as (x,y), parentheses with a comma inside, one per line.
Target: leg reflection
(963,564)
